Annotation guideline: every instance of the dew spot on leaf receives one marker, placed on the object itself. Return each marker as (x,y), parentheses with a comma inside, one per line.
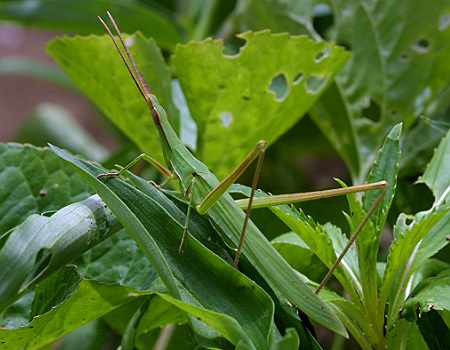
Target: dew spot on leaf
(279,87)
(322,54)
(421,45)
(315,83)
(297,78)
(444,22)
(226,118)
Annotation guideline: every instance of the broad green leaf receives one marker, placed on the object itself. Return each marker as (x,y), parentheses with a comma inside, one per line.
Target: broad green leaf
(380,85)
(201,278)
(43,244)
(436,176)
(127,264)
(431,294)
(398,267)
(261,92)
(391,42)
(33,180)
(54,290)
(80,17)
(106,81)
(90,301)
(280,16)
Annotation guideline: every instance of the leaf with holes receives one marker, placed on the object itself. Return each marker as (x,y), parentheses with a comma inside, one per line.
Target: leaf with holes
(398,71)
(260,92)
(107,83)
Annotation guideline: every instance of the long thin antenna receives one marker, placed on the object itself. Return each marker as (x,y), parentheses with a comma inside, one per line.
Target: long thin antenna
(135,73)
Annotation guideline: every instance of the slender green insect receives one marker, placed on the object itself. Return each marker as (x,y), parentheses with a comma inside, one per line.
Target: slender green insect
(209,197)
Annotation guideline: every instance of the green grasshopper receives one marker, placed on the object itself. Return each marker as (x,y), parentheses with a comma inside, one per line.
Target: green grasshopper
(210,197)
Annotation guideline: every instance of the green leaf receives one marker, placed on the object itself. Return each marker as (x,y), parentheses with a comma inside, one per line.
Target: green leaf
(80,17)
(34,180)
(255,93)
(385,168)
(290,341)
(54,290)
(299,256)
(106,81)
(128,265)
(197,276)
(431,294)
(42,244)
(434,330)
(90,301)
(326,241)
(436,176)
(398,267)
(280,16)
(222,323)
(331,115)
(380,85)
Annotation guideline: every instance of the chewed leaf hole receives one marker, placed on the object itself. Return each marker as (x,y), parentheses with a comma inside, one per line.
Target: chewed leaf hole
(444,22)
(298,78)
(226,118)
(234,46)
(421,45)
(315,83)
(279,87)
(322,54)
